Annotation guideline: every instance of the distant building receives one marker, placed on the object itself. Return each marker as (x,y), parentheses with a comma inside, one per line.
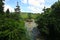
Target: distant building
(17,9)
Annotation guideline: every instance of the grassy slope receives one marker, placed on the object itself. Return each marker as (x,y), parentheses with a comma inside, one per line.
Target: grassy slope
(24,15)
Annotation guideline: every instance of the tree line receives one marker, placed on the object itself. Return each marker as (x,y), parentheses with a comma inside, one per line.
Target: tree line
(49,23)
(11,28)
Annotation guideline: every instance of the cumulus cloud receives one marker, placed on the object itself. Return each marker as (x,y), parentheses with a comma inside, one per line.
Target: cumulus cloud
(6,0)
(8,7)
(24,1)
(36,2)
(35,9)
(35,5)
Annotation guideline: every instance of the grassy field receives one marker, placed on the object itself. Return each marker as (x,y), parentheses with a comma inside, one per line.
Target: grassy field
(24,15)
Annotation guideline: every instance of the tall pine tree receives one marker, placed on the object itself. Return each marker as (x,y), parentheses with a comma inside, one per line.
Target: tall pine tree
(1,6)
(7,11)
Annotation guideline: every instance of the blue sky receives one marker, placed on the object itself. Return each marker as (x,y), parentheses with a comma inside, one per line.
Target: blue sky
(34,6)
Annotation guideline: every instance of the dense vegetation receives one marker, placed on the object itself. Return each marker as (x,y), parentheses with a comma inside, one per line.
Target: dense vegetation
(11,27)
(12,24)
(25,15)
(1,6)
(49,23)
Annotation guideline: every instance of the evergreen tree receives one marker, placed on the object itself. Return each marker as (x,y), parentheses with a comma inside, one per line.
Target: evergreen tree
(7,11)
(29,15)
(1,6)
(49,24)
(56,9)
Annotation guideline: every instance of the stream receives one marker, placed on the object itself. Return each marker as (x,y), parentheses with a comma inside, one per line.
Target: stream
(32,30)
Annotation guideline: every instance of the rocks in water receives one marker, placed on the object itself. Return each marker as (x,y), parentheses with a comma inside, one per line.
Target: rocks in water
(32,30)
(35,33)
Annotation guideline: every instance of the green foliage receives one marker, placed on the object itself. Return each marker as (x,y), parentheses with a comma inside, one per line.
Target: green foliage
(24,15)
(49,23)
(7,11)
(1,6)
(56,9)
(11,28)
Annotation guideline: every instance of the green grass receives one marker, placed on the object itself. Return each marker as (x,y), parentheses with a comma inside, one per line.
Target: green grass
(24,15)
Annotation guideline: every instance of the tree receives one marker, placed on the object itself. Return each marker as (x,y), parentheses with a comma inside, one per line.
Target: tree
(1,6)
(56,9)
(29,15)
(7,11)
(49,24)
(11,28)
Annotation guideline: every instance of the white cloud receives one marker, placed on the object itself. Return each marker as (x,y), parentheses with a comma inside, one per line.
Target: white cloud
(48,6)
(36,2)
(6,0)
(8,7)
(35,10)
(24,1)
(35,5)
